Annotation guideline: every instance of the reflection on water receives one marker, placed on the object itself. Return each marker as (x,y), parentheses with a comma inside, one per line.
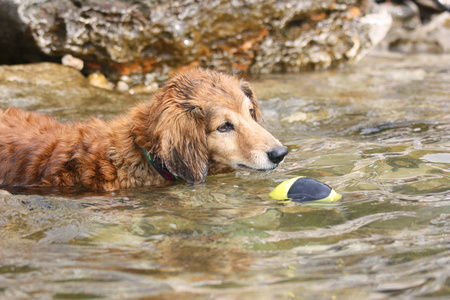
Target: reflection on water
(378,133)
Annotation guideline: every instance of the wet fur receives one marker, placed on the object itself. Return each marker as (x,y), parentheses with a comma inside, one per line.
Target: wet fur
(36,149)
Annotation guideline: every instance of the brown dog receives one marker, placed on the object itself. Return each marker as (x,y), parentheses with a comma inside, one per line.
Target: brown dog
(200,122)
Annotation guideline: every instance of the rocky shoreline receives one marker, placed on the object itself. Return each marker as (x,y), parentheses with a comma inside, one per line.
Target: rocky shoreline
(134,46)
(125,41)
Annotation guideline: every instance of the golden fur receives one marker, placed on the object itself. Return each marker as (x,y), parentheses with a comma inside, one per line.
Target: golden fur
(180,127)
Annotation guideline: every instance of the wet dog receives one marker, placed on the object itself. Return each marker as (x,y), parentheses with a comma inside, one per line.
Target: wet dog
(201,122)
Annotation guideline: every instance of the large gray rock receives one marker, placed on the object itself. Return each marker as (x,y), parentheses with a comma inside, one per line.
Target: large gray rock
(129,39)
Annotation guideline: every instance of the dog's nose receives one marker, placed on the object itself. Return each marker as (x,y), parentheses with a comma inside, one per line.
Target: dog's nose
(277,154)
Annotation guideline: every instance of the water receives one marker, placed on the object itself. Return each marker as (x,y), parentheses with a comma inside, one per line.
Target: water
(377,132)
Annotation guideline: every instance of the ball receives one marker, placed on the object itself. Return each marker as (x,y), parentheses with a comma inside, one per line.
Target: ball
(303,189)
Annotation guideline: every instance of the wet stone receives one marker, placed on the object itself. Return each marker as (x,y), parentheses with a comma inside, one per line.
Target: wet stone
(62,91)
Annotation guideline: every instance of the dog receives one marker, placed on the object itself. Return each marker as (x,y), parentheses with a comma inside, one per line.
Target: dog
(201,122)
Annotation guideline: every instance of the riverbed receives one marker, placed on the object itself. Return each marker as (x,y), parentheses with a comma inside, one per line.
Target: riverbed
(378,132)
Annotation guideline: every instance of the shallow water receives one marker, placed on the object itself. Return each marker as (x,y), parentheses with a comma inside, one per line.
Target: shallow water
(377,132)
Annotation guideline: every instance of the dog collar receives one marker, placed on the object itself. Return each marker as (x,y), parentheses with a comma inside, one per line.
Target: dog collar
(161,169)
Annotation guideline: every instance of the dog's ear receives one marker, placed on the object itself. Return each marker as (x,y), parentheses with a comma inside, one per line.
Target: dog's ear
(248,91)
(179,134)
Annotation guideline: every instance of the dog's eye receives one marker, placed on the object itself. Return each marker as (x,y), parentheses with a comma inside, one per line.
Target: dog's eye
(225,127)
(252,112)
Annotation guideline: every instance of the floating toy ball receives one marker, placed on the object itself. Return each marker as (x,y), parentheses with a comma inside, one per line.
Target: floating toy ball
(303,189)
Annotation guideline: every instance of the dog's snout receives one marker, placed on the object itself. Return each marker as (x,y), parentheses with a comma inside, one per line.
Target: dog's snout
(277,154)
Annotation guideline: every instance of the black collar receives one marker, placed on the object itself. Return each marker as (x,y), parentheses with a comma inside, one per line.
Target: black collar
(160,168)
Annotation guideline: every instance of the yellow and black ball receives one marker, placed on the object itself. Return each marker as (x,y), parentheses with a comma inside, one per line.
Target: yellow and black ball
(304,189)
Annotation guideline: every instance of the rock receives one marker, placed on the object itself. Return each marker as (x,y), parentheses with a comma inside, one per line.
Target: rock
(122,86)
(17,44)
(428,8)
(405,15)
(144,89)
(4,193)
(99,80)
(134,38)
(432,37)
(70,61)
(341,35)
(62,91)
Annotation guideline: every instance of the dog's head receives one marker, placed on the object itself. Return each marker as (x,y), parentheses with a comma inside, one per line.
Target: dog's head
(202,118)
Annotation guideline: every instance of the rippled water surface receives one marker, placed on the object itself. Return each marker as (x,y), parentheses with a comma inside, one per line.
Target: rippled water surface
(377,132)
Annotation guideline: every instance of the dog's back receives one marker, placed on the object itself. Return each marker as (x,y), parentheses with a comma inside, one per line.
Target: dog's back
(16,119)
(30,148)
